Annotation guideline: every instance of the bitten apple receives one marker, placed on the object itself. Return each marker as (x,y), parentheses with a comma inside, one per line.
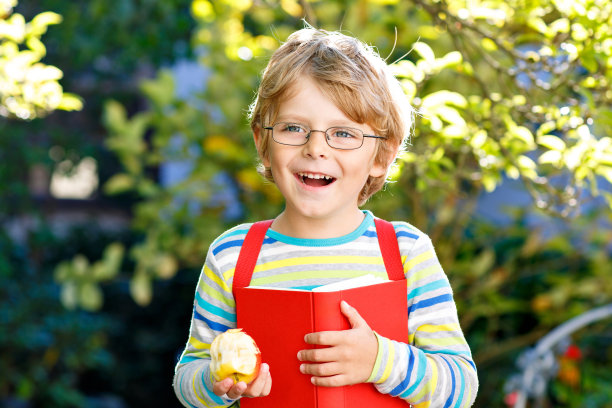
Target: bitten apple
(234,354)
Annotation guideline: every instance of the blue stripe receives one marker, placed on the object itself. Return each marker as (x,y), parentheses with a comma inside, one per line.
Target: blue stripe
(406,234)
(451,352)
(268,241)
(420,375)
(462,388)
(431,286)
(226,245)
(370,234)
(430,302)
(210,308)
(404,383)
(449,401)
(213,325)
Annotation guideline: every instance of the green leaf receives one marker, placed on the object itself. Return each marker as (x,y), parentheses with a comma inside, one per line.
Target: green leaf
(451,59)
(523,134)
(444,98)
(40,22)
(70,102)
(90,297)
(553,157)
(604,171)
(425,51)
(119,183)
(478,139)
(166,267)
(552,142)
(161,89)
(69,295)
(114,116)
(141,288)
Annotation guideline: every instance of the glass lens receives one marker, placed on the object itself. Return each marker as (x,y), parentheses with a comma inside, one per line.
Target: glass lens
(344,138)
(290,133)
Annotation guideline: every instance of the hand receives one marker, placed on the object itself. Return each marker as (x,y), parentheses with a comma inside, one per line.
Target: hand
(260,387)
(350,357)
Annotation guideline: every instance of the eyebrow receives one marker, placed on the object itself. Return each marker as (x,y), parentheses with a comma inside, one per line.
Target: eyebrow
(296,118)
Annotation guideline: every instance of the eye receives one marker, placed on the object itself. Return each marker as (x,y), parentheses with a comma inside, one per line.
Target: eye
(344,133)
(294,128)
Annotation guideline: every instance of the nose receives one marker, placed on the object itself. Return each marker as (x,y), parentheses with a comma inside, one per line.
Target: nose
(317,146)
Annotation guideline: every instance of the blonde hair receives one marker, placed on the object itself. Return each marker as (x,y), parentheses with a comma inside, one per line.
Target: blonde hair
(353,76)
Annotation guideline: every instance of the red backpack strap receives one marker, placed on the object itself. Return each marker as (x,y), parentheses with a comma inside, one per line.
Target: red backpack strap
(247,258)
(387,240)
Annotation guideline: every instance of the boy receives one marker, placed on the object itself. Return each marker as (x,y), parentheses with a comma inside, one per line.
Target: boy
(328,122)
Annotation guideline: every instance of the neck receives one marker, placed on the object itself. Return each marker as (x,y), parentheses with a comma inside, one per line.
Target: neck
(317,228)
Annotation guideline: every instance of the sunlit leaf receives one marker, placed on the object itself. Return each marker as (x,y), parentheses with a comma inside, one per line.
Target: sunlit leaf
(90,296)
(141,288)
(554,157)
(552,142)
(425,51)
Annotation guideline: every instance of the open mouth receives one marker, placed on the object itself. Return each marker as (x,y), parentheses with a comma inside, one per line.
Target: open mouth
(315,180)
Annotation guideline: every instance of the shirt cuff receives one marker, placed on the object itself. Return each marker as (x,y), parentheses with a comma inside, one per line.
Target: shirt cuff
(377,363)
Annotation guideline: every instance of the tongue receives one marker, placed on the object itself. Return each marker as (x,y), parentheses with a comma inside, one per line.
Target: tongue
(315,182)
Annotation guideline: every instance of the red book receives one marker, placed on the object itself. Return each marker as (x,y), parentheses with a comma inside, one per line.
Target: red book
(278,320)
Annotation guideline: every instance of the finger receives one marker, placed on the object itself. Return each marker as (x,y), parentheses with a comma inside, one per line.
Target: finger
(324,338)
(352,315)
(223,386)
(268,386)
(319,355)
(321,370)
(237,390)
(256,387)
(333,381)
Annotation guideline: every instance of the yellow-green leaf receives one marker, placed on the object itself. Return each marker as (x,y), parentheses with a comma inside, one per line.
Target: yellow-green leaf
(425,51)
(141,288)
(119,183)
(552,142)
(90,296)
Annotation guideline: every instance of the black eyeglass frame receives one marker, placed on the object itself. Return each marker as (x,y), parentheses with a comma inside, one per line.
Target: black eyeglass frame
(271,128)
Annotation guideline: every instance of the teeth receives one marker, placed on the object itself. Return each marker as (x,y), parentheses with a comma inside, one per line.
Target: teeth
(315,176)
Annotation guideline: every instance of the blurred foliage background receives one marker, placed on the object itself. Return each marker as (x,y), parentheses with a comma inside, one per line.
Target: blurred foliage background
(125,150)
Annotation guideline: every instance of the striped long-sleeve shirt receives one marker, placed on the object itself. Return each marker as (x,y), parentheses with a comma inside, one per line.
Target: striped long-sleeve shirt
(433,369)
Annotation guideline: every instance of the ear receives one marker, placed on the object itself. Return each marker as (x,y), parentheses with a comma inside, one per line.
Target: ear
(381,169)
(258,138)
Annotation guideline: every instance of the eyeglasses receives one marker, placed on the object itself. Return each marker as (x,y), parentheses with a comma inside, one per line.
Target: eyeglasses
(342,138)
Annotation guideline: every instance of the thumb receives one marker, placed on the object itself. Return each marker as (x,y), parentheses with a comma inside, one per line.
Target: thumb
(352,315)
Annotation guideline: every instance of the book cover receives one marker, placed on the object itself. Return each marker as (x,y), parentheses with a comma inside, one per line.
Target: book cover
(278,320)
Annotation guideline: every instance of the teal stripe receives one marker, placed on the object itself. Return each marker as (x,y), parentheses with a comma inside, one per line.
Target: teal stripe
(462,388)
(430,287)
(325,242)
(419,376)
(188,359)
(217,311)
(181,390)
(214,397)
(239,231)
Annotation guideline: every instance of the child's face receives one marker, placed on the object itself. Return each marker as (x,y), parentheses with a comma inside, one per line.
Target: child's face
(297,170)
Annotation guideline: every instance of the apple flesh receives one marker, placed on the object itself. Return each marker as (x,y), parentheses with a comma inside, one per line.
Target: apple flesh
(234,354)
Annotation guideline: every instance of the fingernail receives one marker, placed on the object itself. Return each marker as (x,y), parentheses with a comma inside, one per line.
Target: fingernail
(302,368)
(299,355)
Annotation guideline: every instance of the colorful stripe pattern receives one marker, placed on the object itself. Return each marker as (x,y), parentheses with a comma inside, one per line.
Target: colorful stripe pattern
(434,370)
